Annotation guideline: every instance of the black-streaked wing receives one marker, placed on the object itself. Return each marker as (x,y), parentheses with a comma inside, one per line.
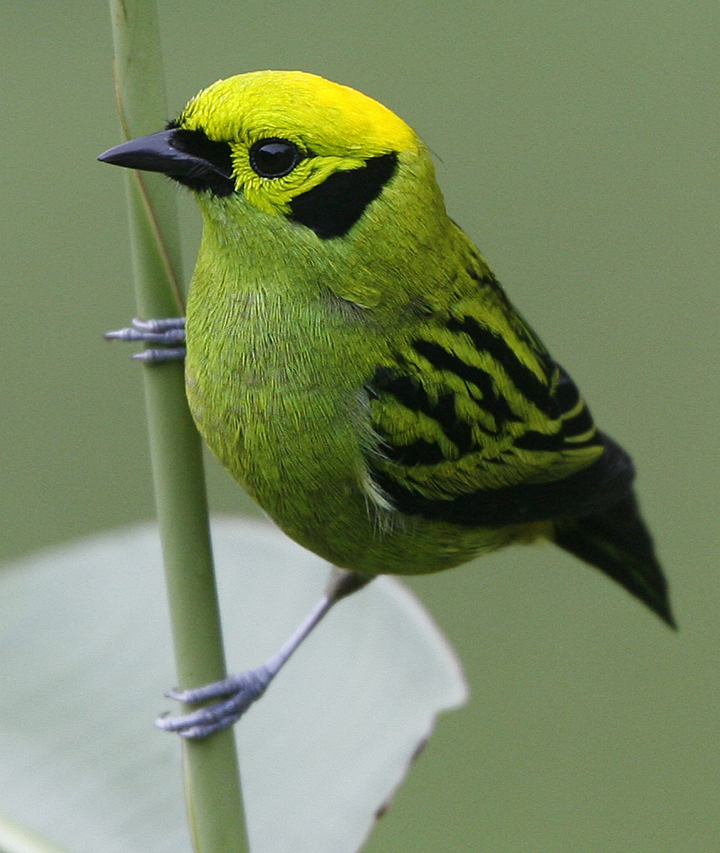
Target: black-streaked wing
(478,431)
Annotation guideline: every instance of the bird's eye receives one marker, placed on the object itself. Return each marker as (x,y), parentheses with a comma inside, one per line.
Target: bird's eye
(273,158)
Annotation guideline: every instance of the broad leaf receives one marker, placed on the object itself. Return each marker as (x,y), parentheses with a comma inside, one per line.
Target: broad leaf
(85,656)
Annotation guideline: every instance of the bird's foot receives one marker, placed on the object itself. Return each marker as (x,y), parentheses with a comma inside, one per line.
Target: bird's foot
(236,694)
(169,332)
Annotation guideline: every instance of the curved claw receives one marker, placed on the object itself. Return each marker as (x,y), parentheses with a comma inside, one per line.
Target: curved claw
(197,731)
(206,721)
(153,356)
(169,332)
(240,692)
(253,681)
(162,325)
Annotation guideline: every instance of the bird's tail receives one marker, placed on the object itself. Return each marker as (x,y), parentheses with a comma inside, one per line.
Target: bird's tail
(617,542)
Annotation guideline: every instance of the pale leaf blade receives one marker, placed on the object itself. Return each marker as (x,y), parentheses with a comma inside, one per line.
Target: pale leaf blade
(86,654)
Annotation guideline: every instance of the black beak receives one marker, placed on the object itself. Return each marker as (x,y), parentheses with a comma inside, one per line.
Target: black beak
(187,156)
(154,153)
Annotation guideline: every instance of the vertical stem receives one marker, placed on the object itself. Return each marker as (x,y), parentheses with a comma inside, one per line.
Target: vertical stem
(211,771)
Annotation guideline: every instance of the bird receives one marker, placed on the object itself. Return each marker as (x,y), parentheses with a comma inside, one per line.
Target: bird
(354,363)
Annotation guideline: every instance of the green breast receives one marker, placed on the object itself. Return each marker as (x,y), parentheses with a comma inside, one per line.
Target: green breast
(278,398)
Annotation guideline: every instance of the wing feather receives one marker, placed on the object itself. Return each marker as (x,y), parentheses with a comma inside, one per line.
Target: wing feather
(477,423)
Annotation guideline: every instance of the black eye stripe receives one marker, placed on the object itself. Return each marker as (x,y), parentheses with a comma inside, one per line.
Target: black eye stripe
(209,167)
(195,142)
(274,157)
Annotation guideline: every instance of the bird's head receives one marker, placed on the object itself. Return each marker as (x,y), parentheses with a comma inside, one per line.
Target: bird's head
(292,146)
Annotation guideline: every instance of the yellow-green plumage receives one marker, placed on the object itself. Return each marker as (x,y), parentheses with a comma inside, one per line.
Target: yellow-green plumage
(354,363)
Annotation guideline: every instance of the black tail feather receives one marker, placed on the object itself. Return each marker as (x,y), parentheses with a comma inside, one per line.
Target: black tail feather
(617,542)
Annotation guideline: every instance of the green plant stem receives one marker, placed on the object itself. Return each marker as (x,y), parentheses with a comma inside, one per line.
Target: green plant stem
(211,771)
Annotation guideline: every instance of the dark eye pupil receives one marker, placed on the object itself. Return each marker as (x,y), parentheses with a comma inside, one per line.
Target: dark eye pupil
(273,158)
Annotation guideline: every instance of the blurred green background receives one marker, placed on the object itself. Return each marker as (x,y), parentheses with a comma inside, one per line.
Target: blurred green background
(574,143)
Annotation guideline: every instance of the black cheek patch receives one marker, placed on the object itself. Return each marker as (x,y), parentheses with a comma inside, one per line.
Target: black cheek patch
(334,206)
